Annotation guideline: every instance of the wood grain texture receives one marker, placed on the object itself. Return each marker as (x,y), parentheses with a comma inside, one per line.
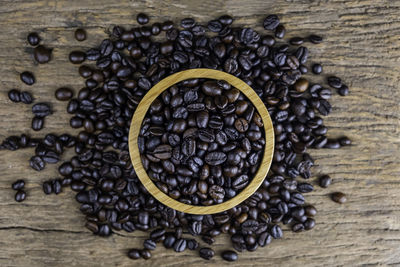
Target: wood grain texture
(361,46)
(141,111)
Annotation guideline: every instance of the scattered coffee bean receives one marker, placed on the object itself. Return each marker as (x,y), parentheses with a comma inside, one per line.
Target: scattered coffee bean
(33,39)
(315,39)
(229,255)
(14,95)
(339,197)
(20,196)
(41,110)
(27,77)
(80,35)
(325,181)
(77,57)
(317,69)
(17,185)
(37,123)
(142,18)
(42,54)
(134,254)
(206,253)
(63,94)
(26,97)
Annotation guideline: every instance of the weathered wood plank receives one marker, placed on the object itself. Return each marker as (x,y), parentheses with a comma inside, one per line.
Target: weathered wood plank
(361,46)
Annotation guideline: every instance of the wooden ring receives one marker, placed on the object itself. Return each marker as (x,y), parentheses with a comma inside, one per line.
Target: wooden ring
(141,111)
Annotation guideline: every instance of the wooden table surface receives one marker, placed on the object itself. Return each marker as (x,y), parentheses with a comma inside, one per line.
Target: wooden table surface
(361,45)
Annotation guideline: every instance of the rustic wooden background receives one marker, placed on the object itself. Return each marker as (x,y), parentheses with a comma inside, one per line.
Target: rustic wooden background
(361,45)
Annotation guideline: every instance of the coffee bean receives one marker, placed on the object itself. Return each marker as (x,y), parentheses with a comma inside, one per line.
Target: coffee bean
(271,22)
(80,35)
(14,95)
(180,245)
(41,110)
(335,82)
(26,97)
(27,77)
(149,244)
(37,163)
(47,188)
(317,69)
(215,158)
(339,197)
(19,184)
(42,54)
(142,18)
(37,123)
(77,57)
(20,196)
(315,39)
(344,141)
(146,254)
(229,255)
(206,253)
(134,254)
(33,39)
(343,90)
(63,94)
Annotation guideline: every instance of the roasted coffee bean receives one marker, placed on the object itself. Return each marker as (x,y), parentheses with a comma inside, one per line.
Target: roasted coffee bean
(206,253)
(33,39)
(47,188)
(26,97)
(77,57)
(180,245)
(63,94)
(134,254)
(142,18)
(14,95)
(80,35)
(317,69)
(17,185)
(145,253)
(42,54)
(37,123)
(315,39)
(343,90)
(149,244)
(27,77)
(37,163)
(335,82)
(20,196)
(229,255)
(339,197)
(41,110)
(271,22)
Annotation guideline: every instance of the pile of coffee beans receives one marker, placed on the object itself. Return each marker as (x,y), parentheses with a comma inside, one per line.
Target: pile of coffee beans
(124,67)
(201,141)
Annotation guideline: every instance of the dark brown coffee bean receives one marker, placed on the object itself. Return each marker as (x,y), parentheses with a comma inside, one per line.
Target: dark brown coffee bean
(229,255)
(63,94)
(134,254)
(17,185)
(180,245)
(37,123)
(271,22)
(42,54)
(33,39)
(77,57)
(26,97)
(14,95)
(339,197)
(315,39)
(206,253)
(142,18)
(41,110)
(145,253)
(215,158)
(27,77)
(37,163)
(20,196)
(80,35)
